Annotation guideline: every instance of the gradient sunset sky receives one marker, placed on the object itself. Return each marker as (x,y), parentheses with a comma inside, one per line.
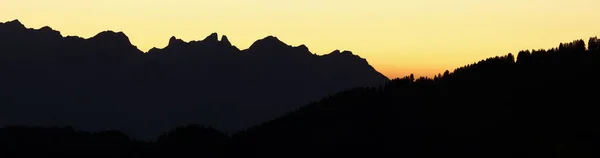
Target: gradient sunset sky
(397,37)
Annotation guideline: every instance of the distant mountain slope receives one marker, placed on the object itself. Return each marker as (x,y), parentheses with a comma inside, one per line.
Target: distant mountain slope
(543,104)
(105,82)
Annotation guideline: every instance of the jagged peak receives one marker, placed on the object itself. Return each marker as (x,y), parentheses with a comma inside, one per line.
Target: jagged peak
(111,34)
(272,39)
(335,52)
(49,31)
(338,52)
(175,41)
(112,37)
(342,54)
(212,37)
(225,40)
(347,52)
(173,38)
(303,48)
(269,41)
(15,23)
(46,28)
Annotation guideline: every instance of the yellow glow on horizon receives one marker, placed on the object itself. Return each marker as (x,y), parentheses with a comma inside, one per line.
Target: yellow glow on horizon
(397,37)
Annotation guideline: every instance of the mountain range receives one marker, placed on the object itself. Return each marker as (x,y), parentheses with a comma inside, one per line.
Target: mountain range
(104,82)
(534,103)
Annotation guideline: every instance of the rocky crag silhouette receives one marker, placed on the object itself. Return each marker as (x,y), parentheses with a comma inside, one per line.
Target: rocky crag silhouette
(105,82)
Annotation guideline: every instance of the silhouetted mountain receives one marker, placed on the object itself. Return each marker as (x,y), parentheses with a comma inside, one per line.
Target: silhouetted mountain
(104,82)
(541,105)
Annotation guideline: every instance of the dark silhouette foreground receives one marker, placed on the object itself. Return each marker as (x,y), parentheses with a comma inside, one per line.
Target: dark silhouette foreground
(104,82)
(543,104)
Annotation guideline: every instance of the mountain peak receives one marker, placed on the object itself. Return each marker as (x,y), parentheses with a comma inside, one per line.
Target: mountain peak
(272,39)
(112,37)
(174,41)
(154,49)
(225,40)
(15,23)
(111,34)
(347,52)
(49,31)
(342,54)
(46,28)
(303,48)
(213,37)
(268,42)
(183,73)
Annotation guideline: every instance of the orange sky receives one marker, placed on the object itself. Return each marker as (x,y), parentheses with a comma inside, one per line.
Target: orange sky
(397,37)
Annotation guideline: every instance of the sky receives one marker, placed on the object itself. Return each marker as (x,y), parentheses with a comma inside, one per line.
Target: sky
(397,37)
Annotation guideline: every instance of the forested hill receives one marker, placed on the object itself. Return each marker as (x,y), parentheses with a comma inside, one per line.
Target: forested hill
(543,104)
